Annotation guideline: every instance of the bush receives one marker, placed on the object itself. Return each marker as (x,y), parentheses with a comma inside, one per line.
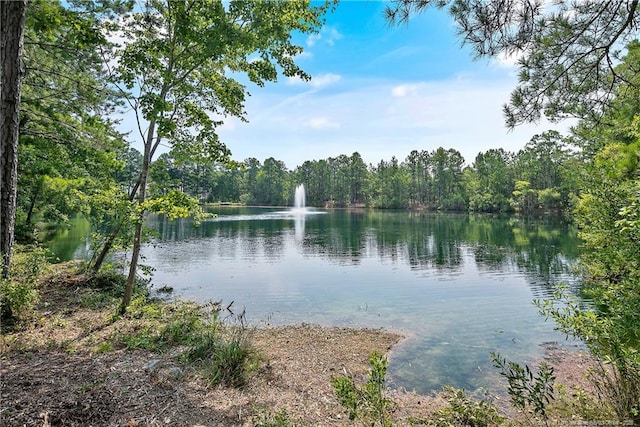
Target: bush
(225,356)
(19,293)
(610,330)
(366,402)
(16,299)
(279,419)
(525,387)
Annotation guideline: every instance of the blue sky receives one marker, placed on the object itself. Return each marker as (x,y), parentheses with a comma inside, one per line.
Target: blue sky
(382,91)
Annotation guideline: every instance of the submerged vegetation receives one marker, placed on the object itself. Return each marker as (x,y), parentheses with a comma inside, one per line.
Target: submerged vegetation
(581,61)
(171,346)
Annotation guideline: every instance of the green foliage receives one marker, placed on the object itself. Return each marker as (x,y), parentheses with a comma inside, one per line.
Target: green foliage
(16,299)
(607,214)
(498,181)
(19,292)
(490,181)
(177,71)
(225,356)
(577,402)
(526,388)
(227,361)
(611,334)
(222,351)
(367,402)
(463,411)
(270,183)
(175,204)
(106,288)
(67,141)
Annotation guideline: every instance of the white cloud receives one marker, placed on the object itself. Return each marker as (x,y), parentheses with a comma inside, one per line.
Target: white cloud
(404,90)
(332,35)
(327,34)
(312,39)
(322,123)
(316,82)
(508,61)
(380,119)
(324,80)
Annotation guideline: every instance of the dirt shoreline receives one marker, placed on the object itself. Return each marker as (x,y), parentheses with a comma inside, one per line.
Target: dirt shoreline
(51,387)
(52,375)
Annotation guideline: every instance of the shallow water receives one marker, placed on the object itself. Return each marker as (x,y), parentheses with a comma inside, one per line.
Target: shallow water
(458,286)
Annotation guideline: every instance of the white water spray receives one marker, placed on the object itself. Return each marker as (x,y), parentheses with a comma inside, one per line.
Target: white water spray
(299,199)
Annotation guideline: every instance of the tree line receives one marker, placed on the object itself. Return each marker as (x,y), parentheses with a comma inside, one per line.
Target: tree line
(172,65)
(542,177)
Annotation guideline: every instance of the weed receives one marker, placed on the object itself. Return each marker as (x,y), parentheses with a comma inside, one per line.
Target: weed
(142,338)
(142,308)
(226,357)
(96,300)
(577,402)
(367,402)
(279,419)
(463,411)
(68,347)
(184,322)
(16,299)
(618,384)
(166,289)
(609,328)
(108,281)
(87,387)
(525,387)
(104,347)
(19,293)
(223,352)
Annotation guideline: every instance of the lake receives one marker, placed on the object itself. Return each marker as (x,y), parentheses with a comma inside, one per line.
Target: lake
(459,286)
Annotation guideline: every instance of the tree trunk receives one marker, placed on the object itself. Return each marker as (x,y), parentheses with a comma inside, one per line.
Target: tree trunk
(106,248)
(137,239)
(12,21)
(108,244)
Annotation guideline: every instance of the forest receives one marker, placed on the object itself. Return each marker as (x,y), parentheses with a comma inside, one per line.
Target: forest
(543,177)
(63,156)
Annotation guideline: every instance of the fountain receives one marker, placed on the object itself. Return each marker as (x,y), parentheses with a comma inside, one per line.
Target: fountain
(299,198)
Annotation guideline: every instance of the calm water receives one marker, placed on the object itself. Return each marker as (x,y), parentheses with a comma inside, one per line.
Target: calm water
(459,286)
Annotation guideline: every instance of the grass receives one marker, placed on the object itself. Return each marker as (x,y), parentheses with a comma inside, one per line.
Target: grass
(197,336)
(221,350)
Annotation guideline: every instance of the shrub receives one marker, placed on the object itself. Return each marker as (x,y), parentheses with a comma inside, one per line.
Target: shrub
(225,356)
(525,387)
(366,402)
(279,419)
(223,352)
(19,293)
(609,327)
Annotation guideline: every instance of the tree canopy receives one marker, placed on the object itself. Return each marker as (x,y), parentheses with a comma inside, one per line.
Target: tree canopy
(567,51)
(178,66)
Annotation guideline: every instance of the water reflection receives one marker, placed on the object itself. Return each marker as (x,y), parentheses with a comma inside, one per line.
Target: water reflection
(459,285)
(299,226)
